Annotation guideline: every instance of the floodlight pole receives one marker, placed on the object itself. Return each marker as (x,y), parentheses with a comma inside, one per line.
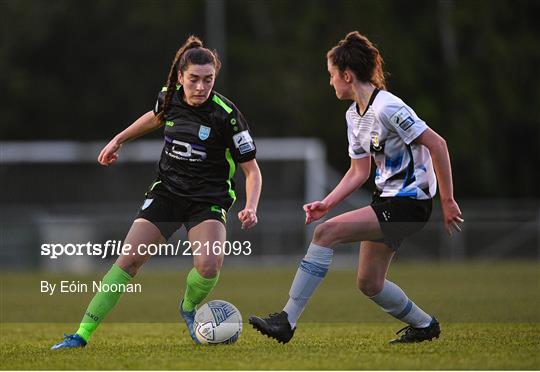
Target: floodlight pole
(216,33)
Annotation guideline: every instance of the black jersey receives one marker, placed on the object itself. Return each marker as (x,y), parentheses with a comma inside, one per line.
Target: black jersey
(203,145)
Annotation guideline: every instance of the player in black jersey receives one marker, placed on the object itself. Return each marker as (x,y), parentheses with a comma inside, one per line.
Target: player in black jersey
(206,136)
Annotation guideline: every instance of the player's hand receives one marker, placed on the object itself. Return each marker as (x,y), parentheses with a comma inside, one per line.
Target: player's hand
(314,211)
(109,154)
(248,217)
(452,216)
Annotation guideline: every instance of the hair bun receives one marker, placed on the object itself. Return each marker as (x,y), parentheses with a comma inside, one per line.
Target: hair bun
(193,42)
(353,37)
(356,52)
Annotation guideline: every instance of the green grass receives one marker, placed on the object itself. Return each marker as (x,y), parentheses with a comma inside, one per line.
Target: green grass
(490,315)
(315,346)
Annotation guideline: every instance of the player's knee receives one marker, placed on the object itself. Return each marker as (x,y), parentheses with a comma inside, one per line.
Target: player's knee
(132,267)
(326,234)
(208,269)
(369,286)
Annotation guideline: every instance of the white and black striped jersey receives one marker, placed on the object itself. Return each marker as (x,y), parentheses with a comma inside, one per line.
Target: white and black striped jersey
(386,131)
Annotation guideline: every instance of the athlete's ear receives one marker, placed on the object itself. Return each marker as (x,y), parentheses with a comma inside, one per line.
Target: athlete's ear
(180,78)
(347,76)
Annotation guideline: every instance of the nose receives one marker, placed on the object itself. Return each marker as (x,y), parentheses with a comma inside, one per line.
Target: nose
(199,86)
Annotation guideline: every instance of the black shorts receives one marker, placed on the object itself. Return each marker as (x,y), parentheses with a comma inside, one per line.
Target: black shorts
(400,217)
(169,214)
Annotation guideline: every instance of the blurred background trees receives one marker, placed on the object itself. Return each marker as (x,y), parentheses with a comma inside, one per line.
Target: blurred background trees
(85,70)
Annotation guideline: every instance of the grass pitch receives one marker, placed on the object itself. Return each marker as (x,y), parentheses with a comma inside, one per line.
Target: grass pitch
(490,318)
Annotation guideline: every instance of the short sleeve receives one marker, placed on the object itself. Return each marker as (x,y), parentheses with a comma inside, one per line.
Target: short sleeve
(400,118)
(356,151)
(158,106)
(239,139)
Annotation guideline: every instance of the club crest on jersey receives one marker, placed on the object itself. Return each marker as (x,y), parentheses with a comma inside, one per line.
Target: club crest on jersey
(204,132)
(375,144)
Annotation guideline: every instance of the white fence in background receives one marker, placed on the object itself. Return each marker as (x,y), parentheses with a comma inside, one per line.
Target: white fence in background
(494,229)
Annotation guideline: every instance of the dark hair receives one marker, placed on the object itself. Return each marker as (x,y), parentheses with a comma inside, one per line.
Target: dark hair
(360,55)
(192,52)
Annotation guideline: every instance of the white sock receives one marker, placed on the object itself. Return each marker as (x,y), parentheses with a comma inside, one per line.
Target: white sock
(310,273)
(395,302)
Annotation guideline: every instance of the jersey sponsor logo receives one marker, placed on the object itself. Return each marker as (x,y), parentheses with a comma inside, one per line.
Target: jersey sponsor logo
(186,151)
(402,118)
(92,316)
(204,132)
(146,204)
(243,142)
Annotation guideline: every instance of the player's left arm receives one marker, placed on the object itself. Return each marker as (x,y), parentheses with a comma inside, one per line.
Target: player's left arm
(243,151)
(441,162)
(248,215)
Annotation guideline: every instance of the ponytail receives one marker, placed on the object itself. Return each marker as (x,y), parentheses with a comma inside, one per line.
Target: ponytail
(361,56)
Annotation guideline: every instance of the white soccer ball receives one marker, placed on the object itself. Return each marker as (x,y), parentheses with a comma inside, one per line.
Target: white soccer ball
(218,322)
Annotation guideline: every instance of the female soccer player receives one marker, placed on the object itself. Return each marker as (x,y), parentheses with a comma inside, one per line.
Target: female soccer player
(205,137)
(407,154)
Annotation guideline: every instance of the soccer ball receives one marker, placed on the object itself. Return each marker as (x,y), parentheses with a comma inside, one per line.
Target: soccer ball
(218,322)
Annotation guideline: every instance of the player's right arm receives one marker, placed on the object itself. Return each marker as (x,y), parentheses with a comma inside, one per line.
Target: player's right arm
(355,177)
(145,124)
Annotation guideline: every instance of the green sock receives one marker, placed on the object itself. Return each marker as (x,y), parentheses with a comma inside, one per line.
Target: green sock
(197,288)
(103,302)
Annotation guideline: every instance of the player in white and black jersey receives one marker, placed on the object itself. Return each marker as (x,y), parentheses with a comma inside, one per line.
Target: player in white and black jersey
(386,131)
(407,155)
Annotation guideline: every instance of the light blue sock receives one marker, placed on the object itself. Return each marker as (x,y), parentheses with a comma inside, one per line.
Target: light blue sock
(395,302)
(310,273)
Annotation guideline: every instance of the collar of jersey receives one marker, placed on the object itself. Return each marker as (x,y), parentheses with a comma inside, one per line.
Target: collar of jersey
(371,99)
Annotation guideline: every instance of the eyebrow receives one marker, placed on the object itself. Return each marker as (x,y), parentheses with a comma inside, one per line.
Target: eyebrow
(204,77)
